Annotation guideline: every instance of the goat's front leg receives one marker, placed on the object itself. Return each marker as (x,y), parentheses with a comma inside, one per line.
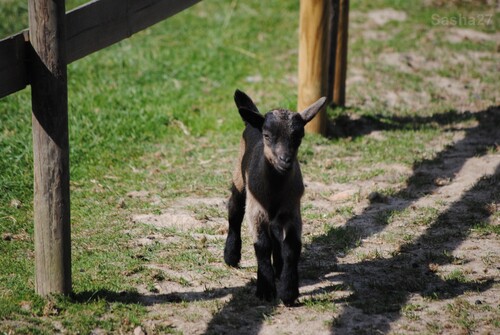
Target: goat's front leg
(277,238)
(236,211)
(291,249)
(266,288)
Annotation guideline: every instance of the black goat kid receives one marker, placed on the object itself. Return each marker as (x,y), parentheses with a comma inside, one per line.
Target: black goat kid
(267,184)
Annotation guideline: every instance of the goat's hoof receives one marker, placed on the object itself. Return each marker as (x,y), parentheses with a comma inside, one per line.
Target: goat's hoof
(268,294)
(231,259)
(232,251)
(289,303)
(233,262)
(289,298)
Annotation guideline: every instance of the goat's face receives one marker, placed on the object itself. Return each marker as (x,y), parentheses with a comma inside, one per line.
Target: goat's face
(282,133)
(282,130)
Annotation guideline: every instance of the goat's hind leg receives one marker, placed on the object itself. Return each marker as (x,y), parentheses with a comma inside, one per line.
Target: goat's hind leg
(236,211)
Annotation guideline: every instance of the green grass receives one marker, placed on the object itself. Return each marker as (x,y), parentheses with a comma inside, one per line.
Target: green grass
(339,238)
(321,303)
(155,112)
(411,311)
(460,310)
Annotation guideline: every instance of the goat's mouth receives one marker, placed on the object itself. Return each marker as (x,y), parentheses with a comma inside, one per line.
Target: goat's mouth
(282,167)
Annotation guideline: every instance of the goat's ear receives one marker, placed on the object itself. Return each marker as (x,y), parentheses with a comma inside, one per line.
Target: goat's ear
(243,101)
(311,111)
(255,119)
(247,109)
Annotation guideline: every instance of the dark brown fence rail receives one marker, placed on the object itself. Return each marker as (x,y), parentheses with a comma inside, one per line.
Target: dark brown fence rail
(13,74)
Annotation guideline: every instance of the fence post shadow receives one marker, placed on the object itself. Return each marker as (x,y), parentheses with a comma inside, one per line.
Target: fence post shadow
(384,286)
(134,297)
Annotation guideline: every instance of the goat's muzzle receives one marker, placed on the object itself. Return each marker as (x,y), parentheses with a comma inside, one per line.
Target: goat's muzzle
(284,163)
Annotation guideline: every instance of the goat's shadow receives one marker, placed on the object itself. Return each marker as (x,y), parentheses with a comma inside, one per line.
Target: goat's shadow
(243,314)
(379,286)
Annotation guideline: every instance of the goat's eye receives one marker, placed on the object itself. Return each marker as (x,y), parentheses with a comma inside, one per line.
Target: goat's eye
(267,137)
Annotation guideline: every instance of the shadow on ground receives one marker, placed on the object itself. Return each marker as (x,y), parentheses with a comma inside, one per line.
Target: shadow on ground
(383,286)
(243,314)
(346,125)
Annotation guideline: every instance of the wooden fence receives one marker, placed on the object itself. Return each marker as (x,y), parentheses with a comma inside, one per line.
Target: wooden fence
(39,56)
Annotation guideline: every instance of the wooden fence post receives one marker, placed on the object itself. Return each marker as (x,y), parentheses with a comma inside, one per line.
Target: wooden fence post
(339,52)
(49,95)
(313,58)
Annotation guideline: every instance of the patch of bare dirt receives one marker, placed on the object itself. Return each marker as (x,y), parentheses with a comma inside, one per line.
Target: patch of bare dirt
(409,61)
(182,215)
(382,16)
(355,76)
(370,24)
(376,35)
(399,99)
(450,86)
(458,35)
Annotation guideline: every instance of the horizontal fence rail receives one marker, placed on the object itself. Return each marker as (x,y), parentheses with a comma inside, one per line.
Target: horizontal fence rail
(13,72)
(89,28)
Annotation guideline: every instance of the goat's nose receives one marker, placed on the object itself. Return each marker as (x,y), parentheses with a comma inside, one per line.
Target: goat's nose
(285,158)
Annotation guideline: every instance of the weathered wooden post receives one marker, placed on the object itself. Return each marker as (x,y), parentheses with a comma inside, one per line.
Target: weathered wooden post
(339,52)
(313,58)
(49,96)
